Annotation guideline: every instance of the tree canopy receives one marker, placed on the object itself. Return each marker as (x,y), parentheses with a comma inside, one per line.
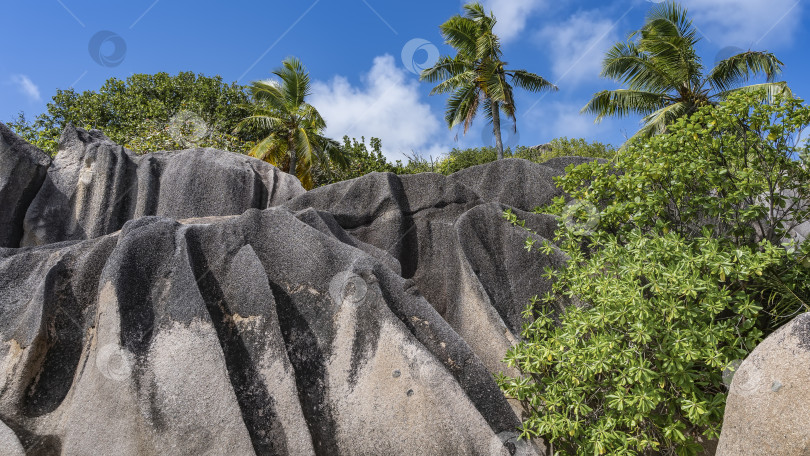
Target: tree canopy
(477,75)
(291,129)
(665,77)
(148,112)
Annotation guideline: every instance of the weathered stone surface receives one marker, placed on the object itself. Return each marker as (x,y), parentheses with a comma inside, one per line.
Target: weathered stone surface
(94,186)
(768,405)
(457,249)
(515,182)
(258,333)
(366,317)
(22,171)
(560,163)
(9,443)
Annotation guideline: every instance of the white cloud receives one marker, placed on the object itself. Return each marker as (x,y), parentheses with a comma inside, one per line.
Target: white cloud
(577,46)
(387,105)
(512,15)
(26,86)
(746,23)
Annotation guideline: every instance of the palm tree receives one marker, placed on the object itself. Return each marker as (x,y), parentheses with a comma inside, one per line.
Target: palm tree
(664,74)
(292,128)
(477,75)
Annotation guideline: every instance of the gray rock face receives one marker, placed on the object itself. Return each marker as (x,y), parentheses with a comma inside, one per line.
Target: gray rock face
(94,186)
(22,171)
(251,317)
(513,181)
(457,249)
(769,402)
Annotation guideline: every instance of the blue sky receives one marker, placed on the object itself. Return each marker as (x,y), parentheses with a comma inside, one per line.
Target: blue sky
(364,54)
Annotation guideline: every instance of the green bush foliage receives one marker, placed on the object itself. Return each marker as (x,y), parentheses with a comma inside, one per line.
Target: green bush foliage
(679,264)
(362,161)
(32,132)
(565,147)
(138,113)
(458,159)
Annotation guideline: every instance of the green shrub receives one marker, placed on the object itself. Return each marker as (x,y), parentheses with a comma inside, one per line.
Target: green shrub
(565,147)
(678,267)
(417,164)
(458,159)
(139,111)
(32,133)
(639,366)
(362,161)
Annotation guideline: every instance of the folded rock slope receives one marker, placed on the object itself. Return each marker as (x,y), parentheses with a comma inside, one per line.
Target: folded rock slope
(201,302)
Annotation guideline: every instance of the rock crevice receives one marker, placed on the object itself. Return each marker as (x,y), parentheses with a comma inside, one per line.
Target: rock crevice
(201,301)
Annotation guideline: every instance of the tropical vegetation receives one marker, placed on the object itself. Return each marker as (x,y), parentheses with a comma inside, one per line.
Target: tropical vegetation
(147,112)
(665,77)
(680,263)
(291,129)
(477,75)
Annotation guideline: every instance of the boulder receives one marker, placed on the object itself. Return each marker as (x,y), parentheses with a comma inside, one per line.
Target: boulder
(768,404)
(199,301)
(515,182)
(95,186)
(560,163)
(457,249)
(22,171)
(256,333)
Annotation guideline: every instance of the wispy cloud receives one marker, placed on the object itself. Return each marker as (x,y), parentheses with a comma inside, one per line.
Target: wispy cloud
(577,45)
(747,23)
(512,15)
(387,105)
(26,86)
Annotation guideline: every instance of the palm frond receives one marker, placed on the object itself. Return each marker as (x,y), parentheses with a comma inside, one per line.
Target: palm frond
(669,20)
(262,122)
(531,82)
(334,152)
(454,83)
(625,63)
(268,93)
(475,10)
(656,123)
(739,68)
(461,107)
(446,67)
(271,149)
(312,117)
(623,102)
(462,34)
(295,81)
(770,89)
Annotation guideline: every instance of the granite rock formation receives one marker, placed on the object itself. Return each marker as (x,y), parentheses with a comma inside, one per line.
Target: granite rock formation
(22,172)
(201,302)
(768,405)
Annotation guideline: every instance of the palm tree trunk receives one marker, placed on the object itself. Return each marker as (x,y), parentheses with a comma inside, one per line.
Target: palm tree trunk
(293,157)
(496,128)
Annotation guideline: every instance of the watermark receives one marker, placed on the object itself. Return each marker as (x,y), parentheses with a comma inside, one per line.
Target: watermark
(347,287)
(581,217)
(419,54)
(107,48)
(114,362)
(745,381)
(726,52)
(188,129)
(509,138)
